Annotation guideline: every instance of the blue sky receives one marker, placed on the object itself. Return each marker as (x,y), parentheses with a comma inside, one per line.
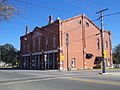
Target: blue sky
(32,16)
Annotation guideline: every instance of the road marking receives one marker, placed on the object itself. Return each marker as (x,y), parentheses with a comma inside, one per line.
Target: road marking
(93,81)
(8,83)
(35,80)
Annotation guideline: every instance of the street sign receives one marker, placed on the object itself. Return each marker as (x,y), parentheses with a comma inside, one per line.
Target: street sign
(105,53)
(61,57)
(105,56)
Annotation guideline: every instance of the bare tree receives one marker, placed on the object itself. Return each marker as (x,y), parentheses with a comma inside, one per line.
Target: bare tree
(6,10)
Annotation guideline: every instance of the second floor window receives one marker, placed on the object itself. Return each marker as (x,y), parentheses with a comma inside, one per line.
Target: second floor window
(33,44)
(54,41)
(24,47)
(106,44)
(98,44)
(46,42)
(28,46)
(38,43)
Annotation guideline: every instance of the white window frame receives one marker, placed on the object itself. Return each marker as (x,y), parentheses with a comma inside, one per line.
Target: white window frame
(73,62)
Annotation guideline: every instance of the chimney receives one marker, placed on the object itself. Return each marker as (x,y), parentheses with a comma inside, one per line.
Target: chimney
(26,30)
(50,19)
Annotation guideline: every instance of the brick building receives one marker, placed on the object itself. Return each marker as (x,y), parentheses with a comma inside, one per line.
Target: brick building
(74,43)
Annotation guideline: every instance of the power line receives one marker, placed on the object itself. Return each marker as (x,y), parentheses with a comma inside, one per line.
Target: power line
(111,14)
(85,38)
(78,27)
(74,29)
(81,3)
(107,15)
(41,6)
(90,4)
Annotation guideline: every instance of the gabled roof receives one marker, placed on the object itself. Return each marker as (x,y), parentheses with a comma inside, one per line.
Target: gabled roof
(69,19)
(83,15)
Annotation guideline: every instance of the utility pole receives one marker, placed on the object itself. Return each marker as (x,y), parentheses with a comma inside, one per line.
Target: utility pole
(67,45)
(102,39)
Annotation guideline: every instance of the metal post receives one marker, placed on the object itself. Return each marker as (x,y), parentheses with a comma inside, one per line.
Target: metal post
(45,59)
(67,42)
(102,39)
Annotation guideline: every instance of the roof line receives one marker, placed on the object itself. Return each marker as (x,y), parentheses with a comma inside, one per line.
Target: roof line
(69,19)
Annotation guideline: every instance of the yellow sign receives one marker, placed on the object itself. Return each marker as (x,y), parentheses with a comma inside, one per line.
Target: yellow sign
(17,63)
(105,56)
(105,53)
(61,57)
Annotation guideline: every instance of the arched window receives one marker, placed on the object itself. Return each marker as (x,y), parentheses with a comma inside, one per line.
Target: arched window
(39,43)
(98,44)
(46,42)
(106,44)
(54,41)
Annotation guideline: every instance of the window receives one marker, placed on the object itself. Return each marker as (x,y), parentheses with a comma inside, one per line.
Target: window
(73,62)
(79,22)
(98,43)
(106,44)
(39,43)
(54,41)
(33,44)
(87,24)
(28,47)
(46,42)
(24,47)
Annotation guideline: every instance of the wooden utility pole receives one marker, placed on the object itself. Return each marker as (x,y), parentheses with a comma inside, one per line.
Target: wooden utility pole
(102,38)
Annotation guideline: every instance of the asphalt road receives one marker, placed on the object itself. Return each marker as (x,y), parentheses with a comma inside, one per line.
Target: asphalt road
(59,80)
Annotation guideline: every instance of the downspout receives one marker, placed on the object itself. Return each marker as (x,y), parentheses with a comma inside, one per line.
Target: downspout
(83,42)
(110,44)
(60,50)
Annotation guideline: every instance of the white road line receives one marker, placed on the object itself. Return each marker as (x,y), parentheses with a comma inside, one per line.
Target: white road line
(8,83)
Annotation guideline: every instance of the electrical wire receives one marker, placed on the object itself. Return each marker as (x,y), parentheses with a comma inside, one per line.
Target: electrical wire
(85,38)
(90,4)
(41,6)
(111,14)
(74,2)
(74,29)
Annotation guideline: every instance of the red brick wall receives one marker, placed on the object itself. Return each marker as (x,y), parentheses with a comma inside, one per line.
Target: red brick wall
(47,31)
(82,36)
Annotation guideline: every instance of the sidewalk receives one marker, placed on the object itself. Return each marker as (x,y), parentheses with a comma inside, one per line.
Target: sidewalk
(111,73)
(114,73)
